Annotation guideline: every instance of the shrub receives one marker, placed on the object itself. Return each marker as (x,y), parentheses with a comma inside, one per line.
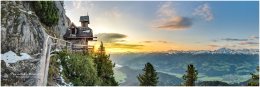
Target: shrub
(79,69)
(53,69)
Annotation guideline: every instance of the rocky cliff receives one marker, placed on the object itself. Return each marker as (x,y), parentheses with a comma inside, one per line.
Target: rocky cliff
(23,32)
(21,29)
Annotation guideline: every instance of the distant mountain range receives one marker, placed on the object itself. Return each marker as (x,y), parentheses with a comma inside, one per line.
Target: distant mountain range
(219,51)
(225,65)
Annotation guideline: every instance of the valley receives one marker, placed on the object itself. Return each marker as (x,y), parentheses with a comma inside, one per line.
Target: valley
(222,66)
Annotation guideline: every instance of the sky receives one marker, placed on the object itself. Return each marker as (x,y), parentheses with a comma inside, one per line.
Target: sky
(151,26)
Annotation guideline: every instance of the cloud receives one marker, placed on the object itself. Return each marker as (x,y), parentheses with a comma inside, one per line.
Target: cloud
(77,4)
(160,41)
(116,40)
(254,37)
(111,37)
(169,20)
(204,11)
(75,9)
(234,39)
(147,41)
(213,45)
(166,10)
(82,7)
(114,13)
(233,46)
(214,40)
(175,23)
(248,43)
(124,45)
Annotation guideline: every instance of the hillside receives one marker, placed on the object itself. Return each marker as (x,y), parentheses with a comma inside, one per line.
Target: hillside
(226,67)
(131,77)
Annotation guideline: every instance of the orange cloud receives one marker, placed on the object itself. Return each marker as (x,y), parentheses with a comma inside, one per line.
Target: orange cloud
(160,41)
(248,43)
(175,23)
(169,20)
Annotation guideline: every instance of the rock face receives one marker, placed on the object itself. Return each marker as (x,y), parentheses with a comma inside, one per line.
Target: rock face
(19,73)
(22,31)
(64,21)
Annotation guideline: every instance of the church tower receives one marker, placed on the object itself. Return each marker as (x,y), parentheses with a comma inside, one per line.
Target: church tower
(84,21)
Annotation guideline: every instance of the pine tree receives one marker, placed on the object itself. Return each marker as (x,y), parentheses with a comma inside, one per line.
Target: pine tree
(191,76)
(149,77)
(254,81)
(105,67)
(101,49)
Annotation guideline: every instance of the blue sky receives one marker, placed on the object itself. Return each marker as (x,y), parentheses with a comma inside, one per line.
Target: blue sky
(161,25)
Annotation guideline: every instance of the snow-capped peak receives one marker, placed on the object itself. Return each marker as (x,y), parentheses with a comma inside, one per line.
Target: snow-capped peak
(219,51)
(236,51)
(224,50)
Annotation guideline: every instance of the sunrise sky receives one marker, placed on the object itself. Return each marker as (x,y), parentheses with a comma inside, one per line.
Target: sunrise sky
(147,26)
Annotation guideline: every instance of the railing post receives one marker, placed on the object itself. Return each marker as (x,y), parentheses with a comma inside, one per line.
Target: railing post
(40,73)
(47,65)
(57,43)
(42,77)
(67,46)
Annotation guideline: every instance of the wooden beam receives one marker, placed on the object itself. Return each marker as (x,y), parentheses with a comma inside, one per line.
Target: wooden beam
(82,37)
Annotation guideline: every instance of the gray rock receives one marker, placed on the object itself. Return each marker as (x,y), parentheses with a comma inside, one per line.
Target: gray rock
(22,31)
(19,73)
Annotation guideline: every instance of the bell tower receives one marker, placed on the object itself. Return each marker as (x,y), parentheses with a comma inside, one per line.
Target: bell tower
(84,21)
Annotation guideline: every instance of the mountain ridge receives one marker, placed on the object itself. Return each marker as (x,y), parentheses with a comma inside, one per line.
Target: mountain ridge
(217,51)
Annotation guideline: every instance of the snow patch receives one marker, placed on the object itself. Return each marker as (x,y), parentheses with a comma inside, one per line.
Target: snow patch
(11,57)
(62,80)
(57,50)
(28,12)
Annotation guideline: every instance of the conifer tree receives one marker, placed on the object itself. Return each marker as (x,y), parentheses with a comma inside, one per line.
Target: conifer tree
(191,76)
(105,67)
(149,77)
(254,81)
